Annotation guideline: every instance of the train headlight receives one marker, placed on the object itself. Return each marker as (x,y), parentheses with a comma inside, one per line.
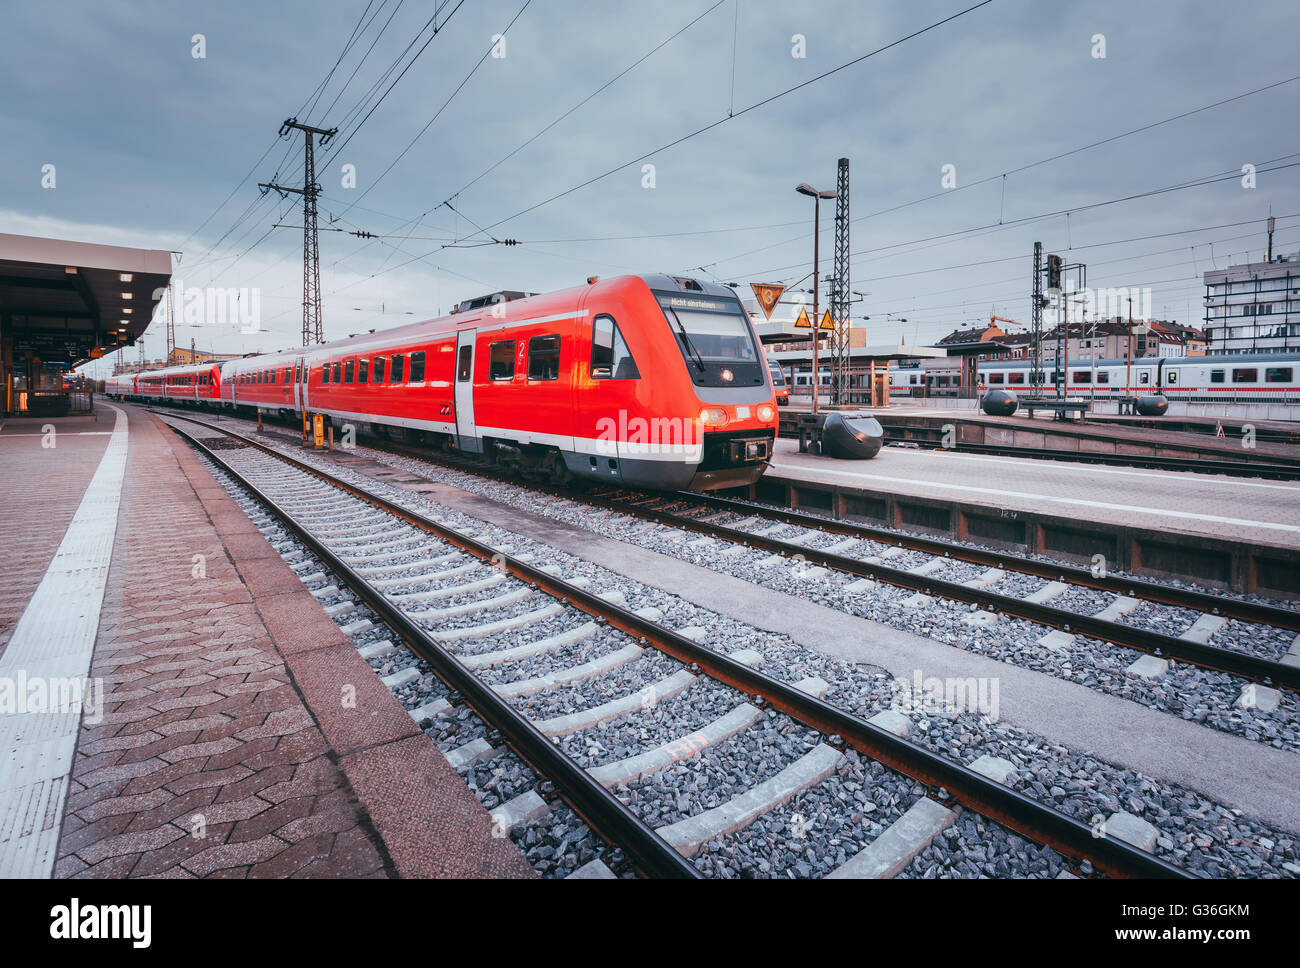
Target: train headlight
(713,417)
(766,413)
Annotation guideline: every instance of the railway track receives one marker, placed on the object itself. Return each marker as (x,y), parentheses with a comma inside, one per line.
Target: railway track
(468,607)
(867,553)
(1195,465)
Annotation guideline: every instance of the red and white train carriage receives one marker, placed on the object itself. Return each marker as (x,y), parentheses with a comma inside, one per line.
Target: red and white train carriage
(651,381)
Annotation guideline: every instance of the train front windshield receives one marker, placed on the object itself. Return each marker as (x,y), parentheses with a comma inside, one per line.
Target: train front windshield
(715,339)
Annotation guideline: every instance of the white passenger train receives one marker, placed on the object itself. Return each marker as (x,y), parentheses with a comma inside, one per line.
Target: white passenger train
(1235,378)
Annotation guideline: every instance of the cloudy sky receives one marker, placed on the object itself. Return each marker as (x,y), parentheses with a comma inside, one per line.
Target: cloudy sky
(155,147)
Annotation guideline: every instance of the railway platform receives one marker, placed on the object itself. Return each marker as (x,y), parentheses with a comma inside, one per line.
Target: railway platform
(1240,534)
(1100,434)
(177,704)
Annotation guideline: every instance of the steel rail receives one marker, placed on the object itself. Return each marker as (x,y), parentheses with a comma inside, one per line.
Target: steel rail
(1008,807)
(1134,587)
(1254,668)
(1198,465)
(1251,667)
(604,812)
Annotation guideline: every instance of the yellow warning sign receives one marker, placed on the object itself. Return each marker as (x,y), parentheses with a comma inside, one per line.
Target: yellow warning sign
(318,429)
(767,294)
(826,321)
(803,322)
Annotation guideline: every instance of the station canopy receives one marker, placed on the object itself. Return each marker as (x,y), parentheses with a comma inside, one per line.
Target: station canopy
(68,301)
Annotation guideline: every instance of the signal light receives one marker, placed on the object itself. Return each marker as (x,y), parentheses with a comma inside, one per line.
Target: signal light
(1054,272)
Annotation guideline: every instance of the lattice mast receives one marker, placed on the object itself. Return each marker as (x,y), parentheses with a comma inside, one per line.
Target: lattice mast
(840,292)
(171,322)
(1036,325)
(312,330)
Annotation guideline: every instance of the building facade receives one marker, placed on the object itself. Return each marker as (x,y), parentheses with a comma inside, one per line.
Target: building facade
(1254,308)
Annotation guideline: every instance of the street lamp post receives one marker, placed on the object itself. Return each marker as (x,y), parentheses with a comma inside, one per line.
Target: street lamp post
(816,196)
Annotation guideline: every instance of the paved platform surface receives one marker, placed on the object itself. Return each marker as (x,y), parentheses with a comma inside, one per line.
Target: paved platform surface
(37,469)
(224,745)
(1213,505)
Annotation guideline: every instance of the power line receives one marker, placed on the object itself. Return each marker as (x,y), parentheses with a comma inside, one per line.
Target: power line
(1194,183)
(721,121)
(366,55)
(437,28)
(414,222)
(465,80)
(613,80)
(1027,167)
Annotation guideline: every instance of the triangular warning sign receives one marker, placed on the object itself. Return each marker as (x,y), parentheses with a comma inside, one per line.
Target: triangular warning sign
(826,321)
(803,322)
(767,294)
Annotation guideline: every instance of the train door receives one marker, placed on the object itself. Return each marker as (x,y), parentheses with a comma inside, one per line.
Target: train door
(300,371)
(466,431)
(606,381)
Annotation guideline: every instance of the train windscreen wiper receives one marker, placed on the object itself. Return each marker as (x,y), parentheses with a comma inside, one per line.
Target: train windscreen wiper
(686,341)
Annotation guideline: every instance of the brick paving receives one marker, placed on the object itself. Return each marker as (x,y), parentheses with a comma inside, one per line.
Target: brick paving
(224,749)
(51,479)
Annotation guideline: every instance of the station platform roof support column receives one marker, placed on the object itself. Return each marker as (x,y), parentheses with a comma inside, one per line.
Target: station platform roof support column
(970,353)
(63,303)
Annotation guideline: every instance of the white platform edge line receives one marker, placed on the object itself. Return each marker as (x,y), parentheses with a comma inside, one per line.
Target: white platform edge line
(61,622)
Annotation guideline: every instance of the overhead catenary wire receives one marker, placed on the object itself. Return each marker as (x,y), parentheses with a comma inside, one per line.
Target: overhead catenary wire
(721,121)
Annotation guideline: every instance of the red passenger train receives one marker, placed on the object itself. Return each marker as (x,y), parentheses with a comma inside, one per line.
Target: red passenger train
(650,381)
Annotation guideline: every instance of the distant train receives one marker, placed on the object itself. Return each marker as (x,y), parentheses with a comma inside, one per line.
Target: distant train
(650,381)
(1237,378)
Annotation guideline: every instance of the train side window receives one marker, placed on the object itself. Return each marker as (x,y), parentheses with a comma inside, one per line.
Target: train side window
(349,370)
(1172,377)
(610,357)
(1216,376)
(1015,378)
(464,364)
(1082,376)
(297,372)
(1144,376)
(1277,374)
(363,370)
(1103,376)
(417,367)
(338,371)
(399,368)
(993,378)
(380,366)
(273,373)
(501,360)
(1245,376)
(544,357)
